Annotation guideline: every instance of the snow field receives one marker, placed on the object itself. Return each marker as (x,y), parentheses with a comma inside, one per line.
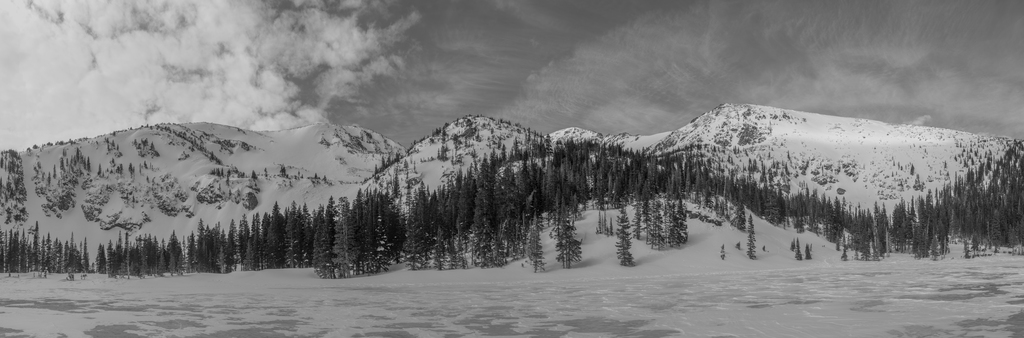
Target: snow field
(678,292)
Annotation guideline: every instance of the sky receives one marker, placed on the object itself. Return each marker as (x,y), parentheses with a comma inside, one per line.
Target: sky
(82,68)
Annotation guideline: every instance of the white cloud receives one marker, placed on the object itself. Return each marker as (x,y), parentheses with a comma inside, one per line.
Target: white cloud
(921,120)
(72,69)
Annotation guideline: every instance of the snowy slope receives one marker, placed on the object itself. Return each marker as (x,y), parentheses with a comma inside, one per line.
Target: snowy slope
(700,255)
(636,142)
(628,141)
(575,134)
(454,147)
(155,179)
(861,160)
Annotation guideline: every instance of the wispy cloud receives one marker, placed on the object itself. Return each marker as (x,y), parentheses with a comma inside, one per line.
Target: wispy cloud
(473,57)
(81,68)
(957,63)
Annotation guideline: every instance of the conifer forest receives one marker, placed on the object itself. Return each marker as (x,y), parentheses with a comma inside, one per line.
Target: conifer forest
(491,214)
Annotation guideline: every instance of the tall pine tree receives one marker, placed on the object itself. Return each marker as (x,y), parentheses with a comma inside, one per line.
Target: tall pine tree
(624,240)
(536,249)
(751,245)
(569,248)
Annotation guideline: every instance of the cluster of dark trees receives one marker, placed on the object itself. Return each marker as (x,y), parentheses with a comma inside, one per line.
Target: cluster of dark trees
(143,256)
(12,191)
(28,250)
(794,246)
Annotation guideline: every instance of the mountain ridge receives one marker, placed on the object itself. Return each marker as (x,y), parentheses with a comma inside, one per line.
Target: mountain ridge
(165,177)
(174,174)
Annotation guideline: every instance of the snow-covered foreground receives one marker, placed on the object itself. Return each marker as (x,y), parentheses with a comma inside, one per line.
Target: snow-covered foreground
(688,291)
(900,297)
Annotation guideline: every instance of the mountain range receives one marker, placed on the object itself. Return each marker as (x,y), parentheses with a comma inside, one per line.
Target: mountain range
(162,178)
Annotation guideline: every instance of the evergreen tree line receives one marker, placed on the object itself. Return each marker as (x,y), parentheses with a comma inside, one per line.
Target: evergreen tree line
(494,213)
(29,251)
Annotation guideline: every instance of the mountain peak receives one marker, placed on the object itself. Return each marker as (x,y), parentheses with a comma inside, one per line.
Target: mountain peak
(575,134)
(475,121)
(751,113)
(454,147)
(864,160)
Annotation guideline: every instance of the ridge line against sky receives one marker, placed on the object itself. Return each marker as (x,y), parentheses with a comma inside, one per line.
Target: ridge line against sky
(81,68)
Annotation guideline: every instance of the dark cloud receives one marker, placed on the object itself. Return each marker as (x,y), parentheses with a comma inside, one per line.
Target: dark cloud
(645,67)
(474,57)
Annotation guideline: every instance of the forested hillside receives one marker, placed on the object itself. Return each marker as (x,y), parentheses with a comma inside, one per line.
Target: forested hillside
(481,193)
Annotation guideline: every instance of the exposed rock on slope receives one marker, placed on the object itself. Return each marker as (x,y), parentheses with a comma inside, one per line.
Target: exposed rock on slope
(157,178)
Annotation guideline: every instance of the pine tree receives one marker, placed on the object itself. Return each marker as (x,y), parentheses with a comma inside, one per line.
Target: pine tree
(739,219)
(345,246)
(101,260)
(799,255)
(322,247)
(792,245)
(161,259)
(229,247)
(275,241)
(655,230)
(418,232)
(676,225)
(293,236)
(536,249)
(844,257)
(484,217)
(569,248)
(112,258)
(35,248)
(85,255)
(222,259)
(176,259)
(751,246)
(684,229)
(798,224)
(807,251)
(624,243)
(637,219)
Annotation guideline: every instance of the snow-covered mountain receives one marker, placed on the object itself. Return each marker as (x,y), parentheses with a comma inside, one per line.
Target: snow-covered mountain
(155,179)
(454,147)
(575,134)
(628,141)
(160,178)
(862,160)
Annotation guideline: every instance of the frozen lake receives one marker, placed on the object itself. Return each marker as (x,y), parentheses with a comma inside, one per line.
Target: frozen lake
(897,298)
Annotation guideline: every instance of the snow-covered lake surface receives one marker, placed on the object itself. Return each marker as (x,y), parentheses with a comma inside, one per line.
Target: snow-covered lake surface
(900,297)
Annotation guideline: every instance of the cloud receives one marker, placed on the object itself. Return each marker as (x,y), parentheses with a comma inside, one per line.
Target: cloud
(642,78)
(892,61)
(81,68)
(473,57)
(920,121)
